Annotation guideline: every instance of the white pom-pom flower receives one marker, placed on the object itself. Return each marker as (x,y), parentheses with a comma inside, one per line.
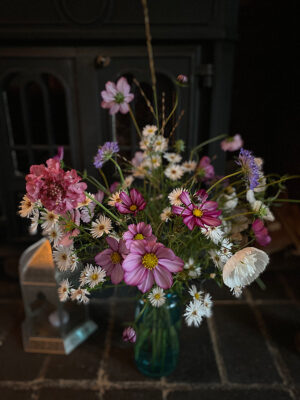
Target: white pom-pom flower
(244,267)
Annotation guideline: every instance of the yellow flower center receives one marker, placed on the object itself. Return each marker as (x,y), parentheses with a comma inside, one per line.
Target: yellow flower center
(139,236)
(150,261)
(115,257)
(158,143)
(198,213)
(157,296)
(94,277)
(133,207)
(197,296)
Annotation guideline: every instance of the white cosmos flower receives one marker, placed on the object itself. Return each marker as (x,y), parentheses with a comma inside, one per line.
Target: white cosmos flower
(100,226)
(193,314)
(195,293)
(174,172)
(193,270)
(34,222)
(157,297)
(214,233)
(49,219)
(189,166)
(160,144)
(173,157)
(80,295)
(149,130)
(174,197)
(244,267)
(166,214)
(64,290)
(54,235)
(92,276)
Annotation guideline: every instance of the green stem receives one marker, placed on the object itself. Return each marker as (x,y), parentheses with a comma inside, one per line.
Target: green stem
(119,170)
(272,183)
(173,109)
(104,178)
(214,139)
(223,179)
(239,215)
(134,122)
(103,207)
(287,200)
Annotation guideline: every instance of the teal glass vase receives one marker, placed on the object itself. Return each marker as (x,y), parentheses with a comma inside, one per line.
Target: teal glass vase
(157,345)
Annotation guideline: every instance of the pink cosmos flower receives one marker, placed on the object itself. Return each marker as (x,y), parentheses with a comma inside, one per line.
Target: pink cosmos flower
(205,167)
(150,262)
(232,143)
(203,213)
(111,259)
(116,96)
(131,204)
(59,191)
(141,231)
(129,335)
(261,232)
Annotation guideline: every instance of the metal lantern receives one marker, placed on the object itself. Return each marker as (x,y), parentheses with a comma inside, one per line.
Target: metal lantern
(50,326)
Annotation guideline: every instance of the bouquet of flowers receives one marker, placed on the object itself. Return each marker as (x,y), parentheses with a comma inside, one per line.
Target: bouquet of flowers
(166,225)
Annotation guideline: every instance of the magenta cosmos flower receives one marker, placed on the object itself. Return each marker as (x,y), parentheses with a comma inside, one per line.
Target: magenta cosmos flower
(131,204)
(59,191)
(141,231)
(129,335)
(232,143)
(205,169)
(150,262)
(111,259)
(202,213)
(116,96)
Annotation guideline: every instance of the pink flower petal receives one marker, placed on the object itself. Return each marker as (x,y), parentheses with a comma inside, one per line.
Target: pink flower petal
(123,86)
(132,261)
(124,108)
(162,277)
(164,252)
(117,274)
(135,277)
(185,198)
(147,282)
(113,243)
(173,266)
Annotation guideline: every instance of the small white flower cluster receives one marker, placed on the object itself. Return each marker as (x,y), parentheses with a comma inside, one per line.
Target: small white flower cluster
(198,308)
(259,207)
(65,258)
(194,271)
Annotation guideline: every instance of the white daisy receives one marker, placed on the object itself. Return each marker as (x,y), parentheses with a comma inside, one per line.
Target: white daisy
(34,222)
(244,267)
(262,210)
(173,157)
(92,276)
(62,257)
(157,297)
(73,261)
(230,200)
(193,271)
(166,214)
(193,314)
(26,207)
(80,295)
(174,197)
(49,219)
(149,130)
(114,198)
(86,202)
(160,144)
(214,233)
(64,290)
(153,162)
(174,172)
(145,143)
(237,291)
(100,226)
(225,250)
(207,305)
(189,166)
(54,235)
(128,181)
(216,259)
(197,295)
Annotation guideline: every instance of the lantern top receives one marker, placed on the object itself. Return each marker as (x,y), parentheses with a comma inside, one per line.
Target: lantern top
(36,264)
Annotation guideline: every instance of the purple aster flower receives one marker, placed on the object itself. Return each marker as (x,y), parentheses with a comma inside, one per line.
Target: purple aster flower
(249,167)
(104,153)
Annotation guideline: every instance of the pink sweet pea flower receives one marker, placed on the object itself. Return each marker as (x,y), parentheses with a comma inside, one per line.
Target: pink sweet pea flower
(205,168)
(129,335)
(232,143)
(111,259)
(59,191)
(150,262)
(141,231)
(116,96)
(131,204)
(261,233)
(203,213)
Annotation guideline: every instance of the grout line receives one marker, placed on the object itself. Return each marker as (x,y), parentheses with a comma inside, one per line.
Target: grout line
(273,350)
(218,356)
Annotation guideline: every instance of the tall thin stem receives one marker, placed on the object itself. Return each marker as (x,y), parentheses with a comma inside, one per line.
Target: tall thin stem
(134,121)
(223,179)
